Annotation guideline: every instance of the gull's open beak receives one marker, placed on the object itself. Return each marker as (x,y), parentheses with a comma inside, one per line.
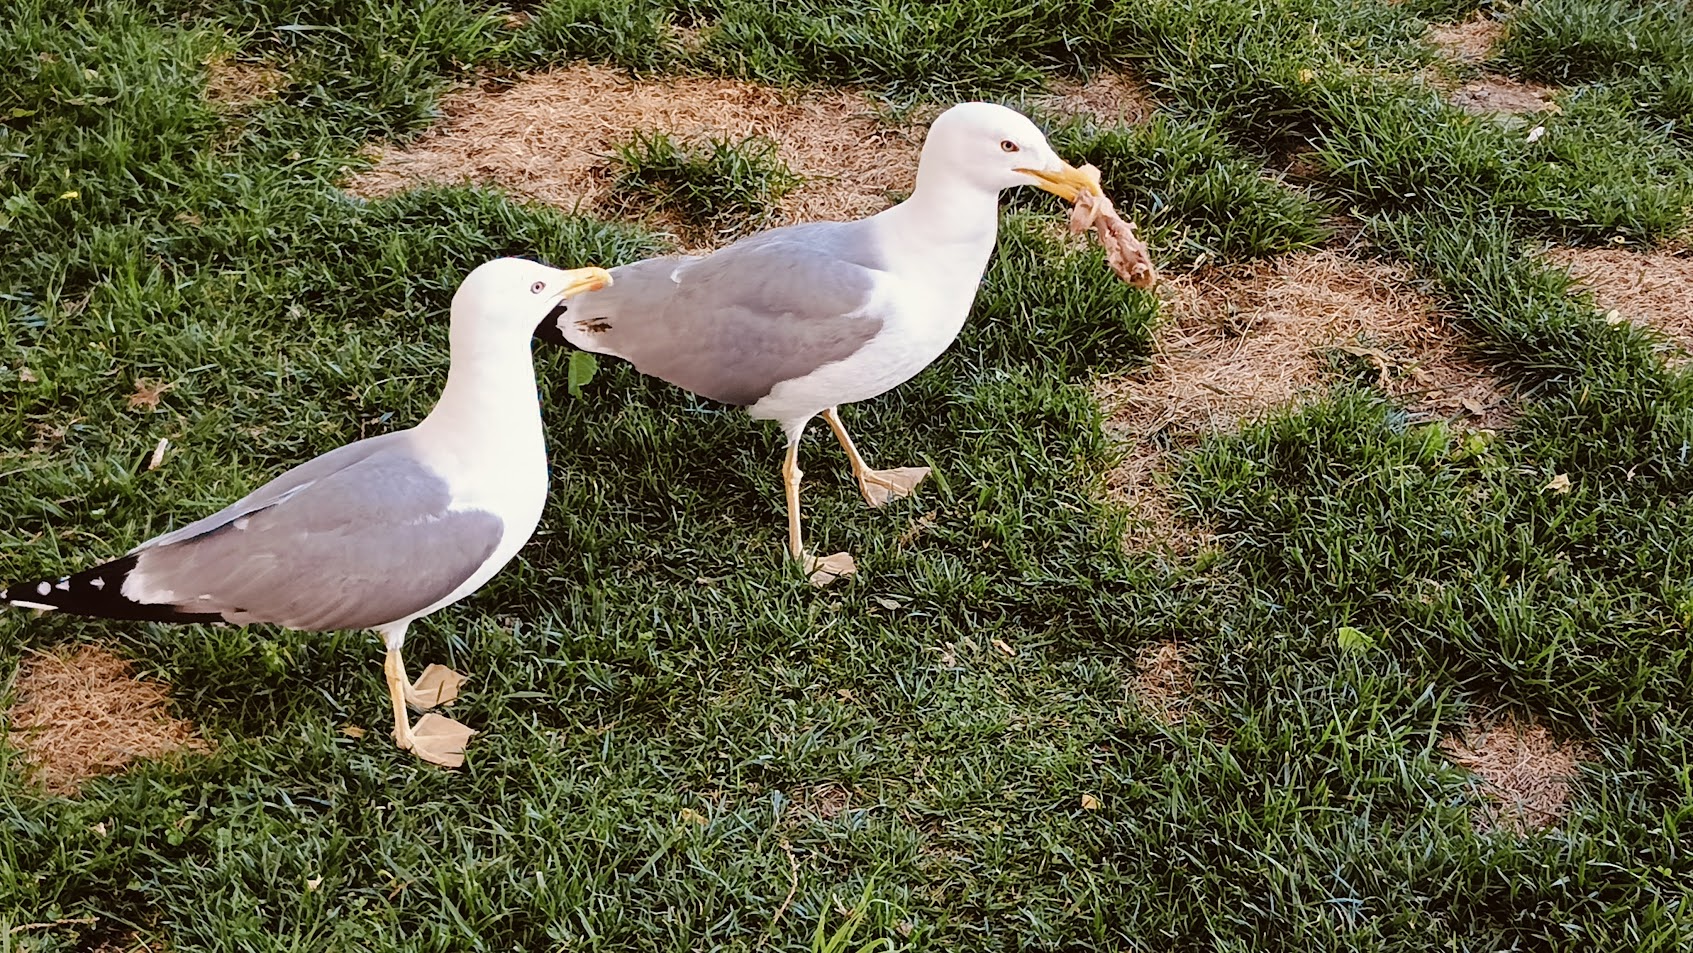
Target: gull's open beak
(578,280)
(1066,183)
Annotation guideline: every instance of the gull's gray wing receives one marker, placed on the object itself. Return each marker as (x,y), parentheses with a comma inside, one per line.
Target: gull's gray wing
(287,482)
(349,543)
(733,324)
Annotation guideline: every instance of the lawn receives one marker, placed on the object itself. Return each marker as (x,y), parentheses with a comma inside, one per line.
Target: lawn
(1334,596)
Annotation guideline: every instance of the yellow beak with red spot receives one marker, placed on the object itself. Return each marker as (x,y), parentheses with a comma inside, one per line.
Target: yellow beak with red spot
(1067,182)
(579,280)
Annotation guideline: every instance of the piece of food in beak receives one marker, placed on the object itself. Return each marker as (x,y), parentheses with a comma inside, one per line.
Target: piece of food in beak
(1127,255)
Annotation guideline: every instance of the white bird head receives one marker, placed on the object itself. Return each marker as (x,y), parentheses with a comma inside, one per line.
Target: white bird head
(515,294)
(997,148)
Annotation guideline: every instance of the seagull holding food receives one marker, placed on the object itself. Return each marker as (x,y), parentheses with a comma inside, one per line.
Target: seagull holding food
(793,322)
(380,532)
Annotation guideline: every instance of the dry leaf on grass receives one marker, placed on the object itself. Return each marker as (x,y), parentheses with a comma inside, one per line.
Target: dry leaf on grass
(147,394)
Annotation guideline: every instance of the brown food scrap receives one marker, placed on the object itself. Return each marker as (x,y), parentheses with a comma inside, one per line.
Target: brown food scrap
(1127,255)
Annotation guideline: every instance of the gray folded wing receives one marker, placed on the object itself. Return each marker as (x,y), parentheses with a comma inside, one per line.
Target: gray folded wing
(732,325)
(350,540)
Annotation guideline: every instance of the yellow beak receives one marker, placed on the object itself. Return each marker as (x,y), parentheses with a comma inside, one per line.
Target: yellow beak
(1066,183)
(578,280)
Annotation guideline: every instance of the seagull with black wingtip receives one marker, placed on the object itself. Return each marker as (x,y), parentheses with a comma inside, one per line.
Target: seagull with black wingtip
(378,533)
(793,322)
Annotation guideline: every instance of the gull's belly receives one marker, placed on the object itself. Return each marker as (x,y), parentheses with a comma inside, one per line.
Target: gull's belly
(512,486)
(910,340)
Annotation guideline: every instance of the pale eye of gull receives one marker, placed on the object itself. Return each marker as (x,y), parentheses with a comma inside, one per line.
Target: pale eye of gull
(1008,145)
(537,287)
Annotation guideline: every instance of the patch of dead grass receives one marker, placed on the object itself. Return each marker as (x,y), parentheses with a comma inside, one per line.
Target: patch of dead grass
(1142,482)
(1653,288)
(82,712)
(827,800)
(1492,95)
(1471,41)
(1241,340)
(1524,771)
(1163,682)
(1107,96)
(550,137)
(233,85)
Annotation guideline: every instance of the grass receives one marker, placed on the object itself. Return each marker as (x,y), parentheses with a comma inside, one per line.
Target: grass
(1642,49)
(684,745)
(724,185)
(1199,197)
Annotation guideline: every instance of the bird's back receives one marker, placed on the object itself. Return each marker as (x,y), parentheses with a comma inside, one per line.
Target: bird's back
(732,324)
(362,536)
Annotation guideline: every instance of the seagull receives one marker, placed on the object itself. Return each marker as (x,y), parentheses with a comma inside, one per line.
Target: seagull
(792,322)
(378,533)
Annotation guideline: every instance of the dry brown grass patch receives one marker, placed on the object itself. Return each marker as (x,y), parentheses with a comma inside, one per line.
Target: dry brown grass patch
(1241,340)
(234,85)
(1471,41)
(550,138)
(1141,481)
(1654,288)
(1524,772)
(1491,95)
(82,712)
(1163,682)
(1108,96)
(827,800)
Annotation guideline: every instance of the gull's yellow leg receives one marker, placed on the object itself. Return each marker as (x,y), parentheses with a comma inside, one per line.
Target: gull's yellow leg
(435,738)
(437,686)
(396,675)
(879,487)
(821,570)
(790,480)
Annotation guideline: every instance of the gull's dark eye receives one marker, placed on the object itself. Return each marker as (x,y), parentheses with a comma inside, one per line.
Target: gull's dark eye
(1008,145)
(537,287)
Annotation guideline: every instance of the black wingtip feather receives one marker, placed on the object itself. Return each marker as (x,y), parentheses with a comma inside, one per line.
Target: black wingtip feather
(98,592)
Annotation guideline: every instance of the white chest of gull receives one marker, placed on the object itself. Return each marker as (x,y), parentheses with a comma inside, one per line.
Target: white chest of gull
(379,532)
(793,322)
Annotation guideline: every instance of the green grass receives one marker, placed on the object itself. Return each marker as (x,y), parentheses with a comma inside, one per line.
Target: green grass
(721,184)
(663,703)
(1645,50)
(1196,197)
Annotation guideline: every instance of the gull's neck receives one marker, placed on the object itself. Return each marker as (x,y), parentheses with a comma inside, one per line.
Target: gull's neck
(943,213)
(490,398)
